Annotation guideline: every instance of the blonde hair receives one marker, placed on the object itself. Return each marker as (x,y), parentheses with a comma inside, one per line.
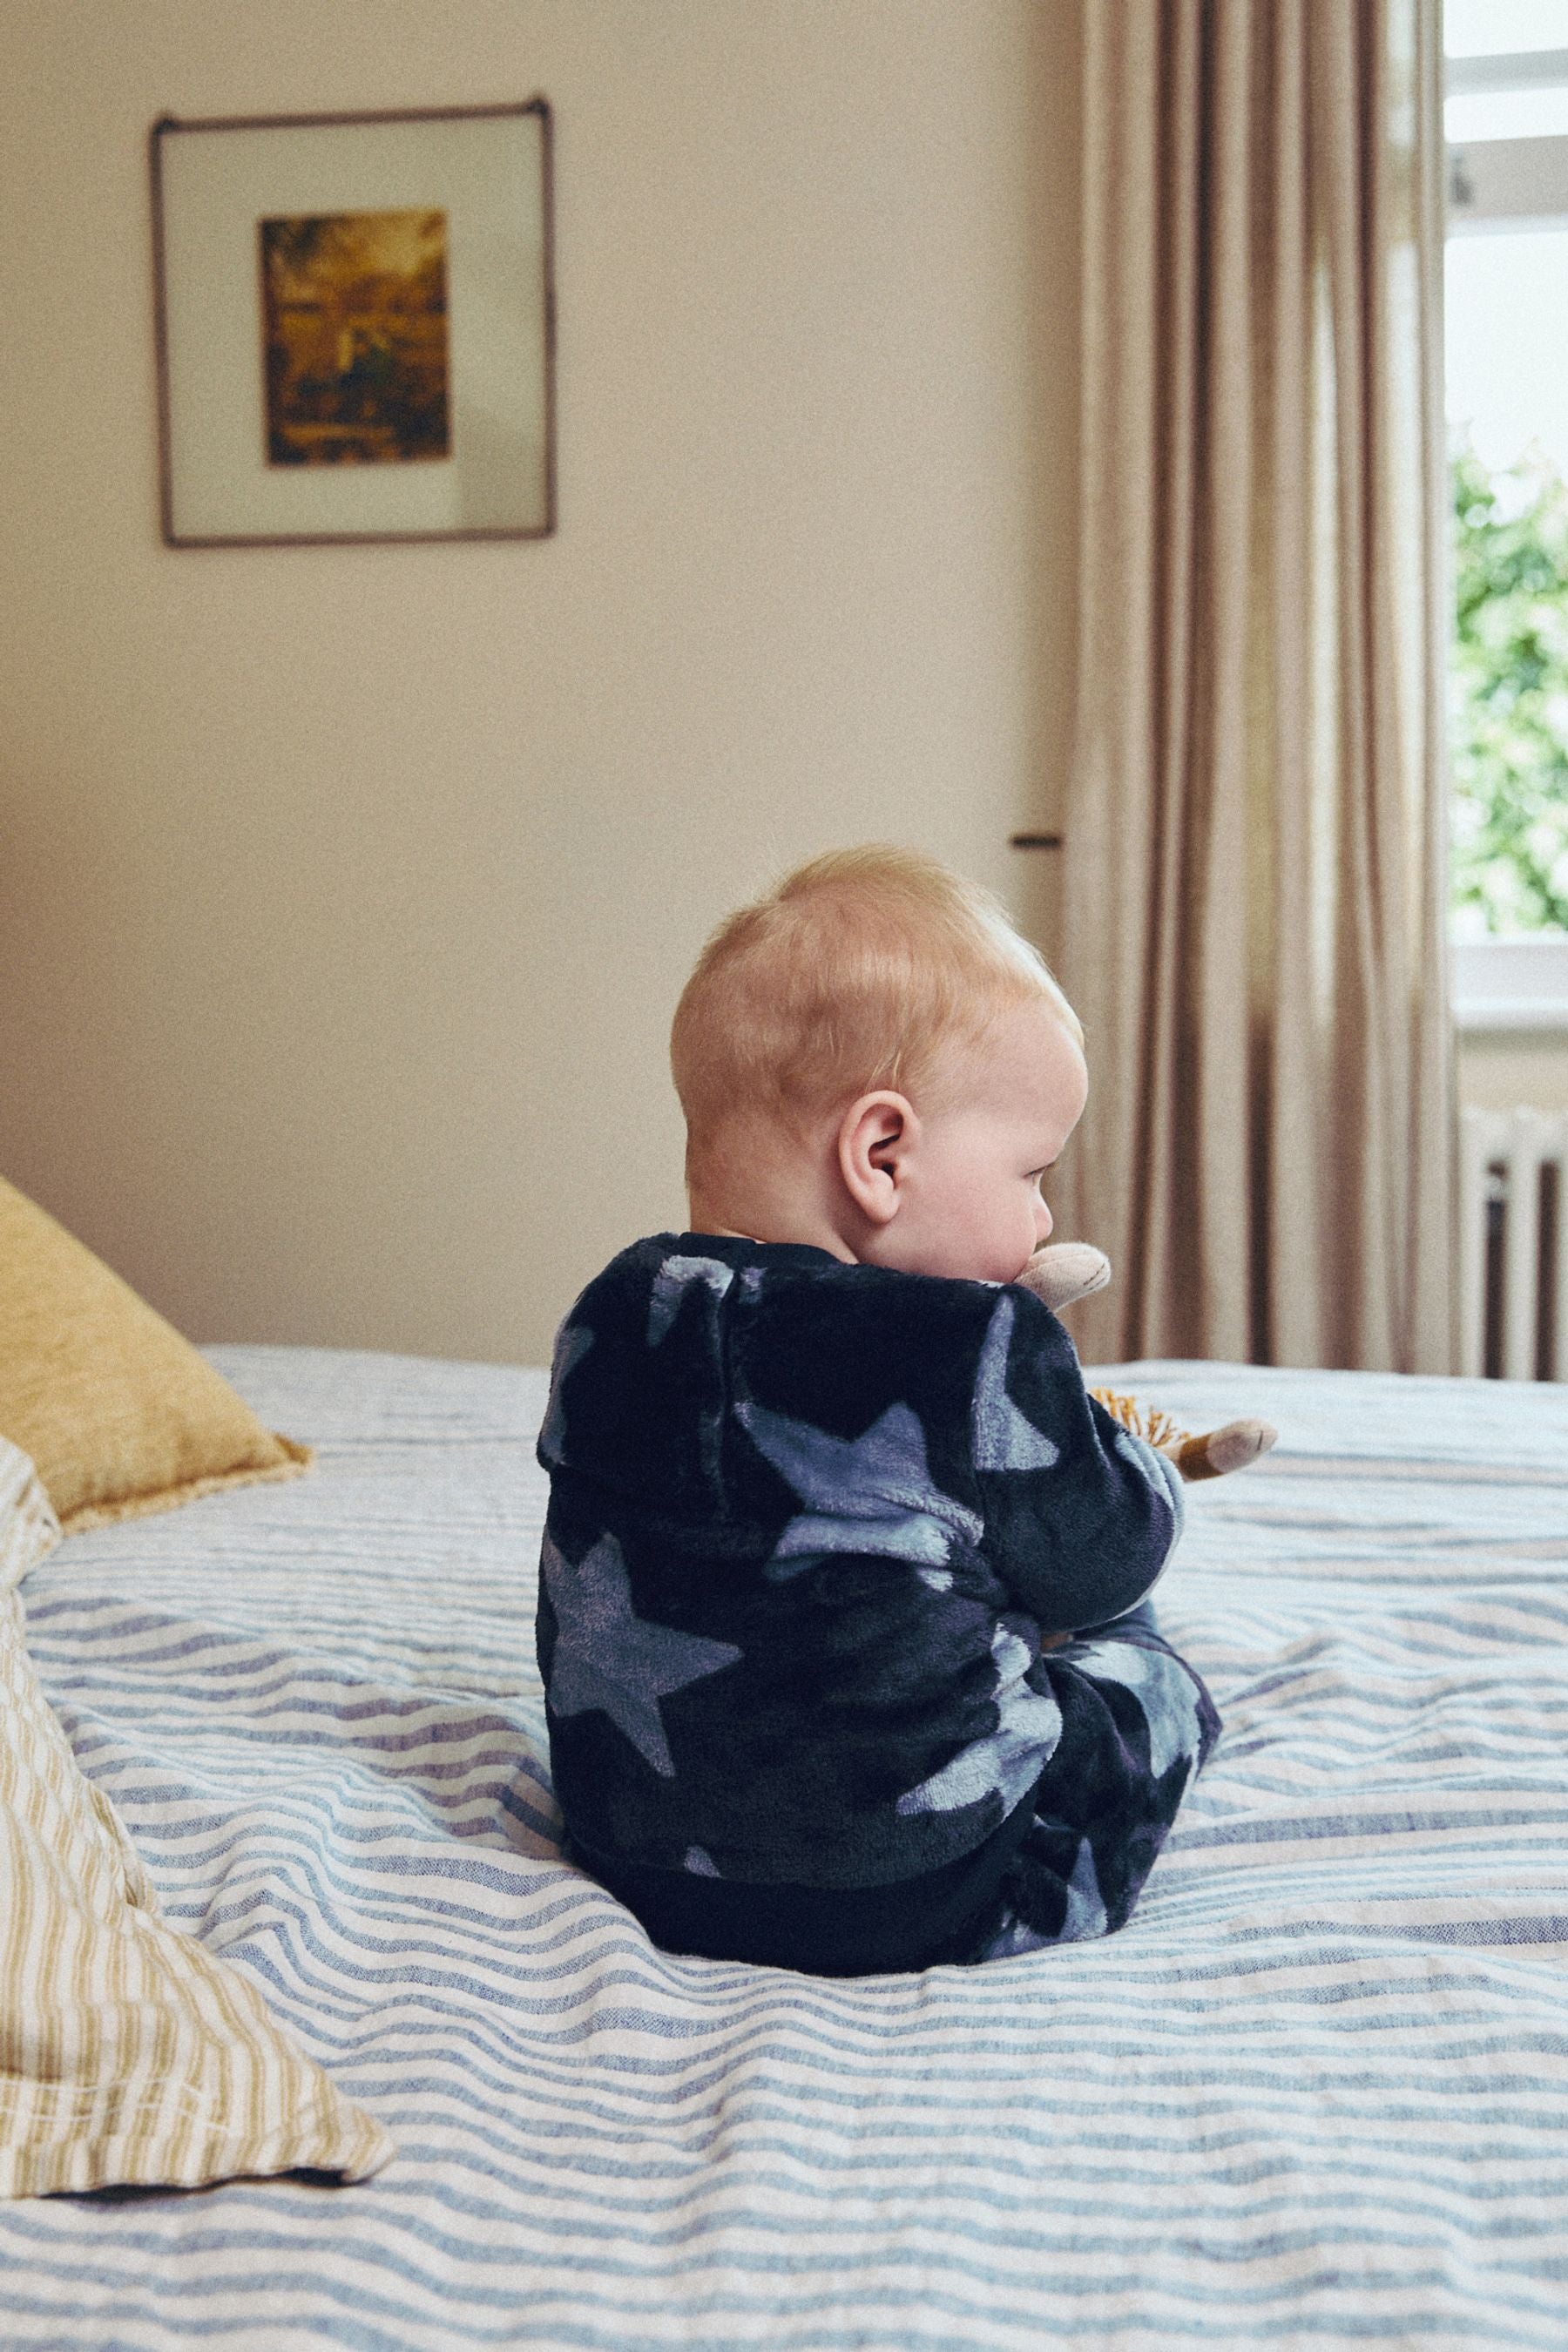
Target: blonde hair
(859,971)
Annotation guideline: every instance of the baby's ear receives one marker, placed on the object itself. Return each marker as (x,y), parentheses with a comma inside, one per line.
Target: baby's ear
(1064,1271)
(875,1138)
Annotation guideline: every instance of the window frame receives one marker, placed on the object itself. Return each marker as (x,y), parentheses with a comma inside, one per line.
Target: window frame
(1499,186)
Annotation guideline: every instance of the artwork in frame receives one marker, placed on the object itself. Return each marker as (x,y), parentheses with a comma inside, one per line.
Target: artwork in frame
(356,326)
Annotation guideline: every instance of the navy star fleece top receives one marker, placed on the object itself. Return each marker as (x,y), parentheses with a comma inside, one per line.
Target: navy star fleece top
(808,1524)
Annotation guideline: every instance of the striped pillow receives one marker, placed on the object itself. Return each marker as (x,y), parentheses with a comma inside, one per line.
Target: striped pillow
(129,2055)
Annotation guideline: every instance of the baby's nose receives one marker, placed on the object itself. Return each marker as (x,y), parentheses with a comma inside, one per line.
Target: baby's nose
(1042,1223)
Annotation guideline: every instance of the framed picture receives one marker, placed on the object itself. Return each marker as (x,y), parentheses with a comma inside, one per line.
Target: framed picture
(356,326)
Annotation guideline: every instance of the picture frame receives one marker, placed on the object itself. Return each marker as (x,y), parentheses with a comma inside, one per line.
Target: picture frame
(356,326)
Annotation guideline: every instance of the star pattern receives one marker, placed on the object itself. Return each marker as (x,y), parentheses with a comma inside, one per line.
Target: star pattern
(1086,1912)
(1162,1475)
(573,1343)
(1009,1760)
(1086,1915)
(607,1657)
(674,1279)
(873,1493)
(1163,1687)
(1004,1438)
(796,1496)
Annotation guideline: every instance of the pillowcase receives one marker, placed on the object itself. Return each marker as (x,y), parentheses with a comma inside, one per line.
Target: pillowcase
(130,2055)
(118,1414)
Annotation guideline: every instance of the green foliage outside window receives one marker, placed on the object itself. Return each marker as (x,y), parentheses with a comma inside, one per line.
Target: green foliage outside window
(1508,690)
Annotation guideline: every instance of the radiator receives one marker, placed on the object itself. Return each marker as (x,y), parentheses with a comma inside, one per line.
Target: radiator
(1514,1243)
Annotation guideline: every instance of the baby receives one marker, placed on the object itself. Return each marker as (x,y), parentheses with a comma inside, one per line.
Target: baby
(828,1492)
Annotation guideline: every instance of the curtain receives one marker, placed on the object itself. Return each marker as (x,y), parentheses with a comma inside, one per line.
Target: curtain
(1254,878)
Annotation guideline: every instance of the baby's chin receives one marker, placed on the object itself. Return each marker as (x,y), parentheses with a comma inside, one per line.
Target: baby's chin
(960,1265)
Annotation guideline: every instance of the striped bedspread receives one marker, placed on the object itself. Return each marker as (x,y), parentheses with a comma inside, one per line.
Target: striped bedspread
(1316,2093)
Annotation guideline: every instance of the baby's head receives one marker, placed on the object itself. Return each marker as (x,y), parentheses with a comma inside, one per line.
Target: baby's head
(871,1059)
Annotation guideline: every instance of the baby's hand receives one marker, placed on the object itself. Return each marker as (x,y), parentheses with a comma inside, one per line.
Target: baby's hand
(1064,1272)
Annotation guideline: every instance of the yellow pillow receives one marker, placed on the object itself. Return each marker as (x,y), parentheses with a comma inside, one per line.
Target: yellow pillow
(130,2055)
(120,1414)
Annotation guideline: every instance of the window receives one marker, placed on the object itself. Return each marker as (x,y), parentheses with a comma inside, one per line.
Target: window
(1506,300)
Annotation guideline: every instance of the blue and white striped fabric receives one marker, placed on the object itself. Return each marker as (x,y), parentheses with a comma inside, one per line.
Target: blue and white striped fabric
(1315,2093)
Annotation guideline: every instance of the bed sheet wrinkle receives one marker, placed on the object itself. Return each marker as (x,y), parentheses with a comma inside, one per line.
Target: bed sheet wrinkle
(1314,2093)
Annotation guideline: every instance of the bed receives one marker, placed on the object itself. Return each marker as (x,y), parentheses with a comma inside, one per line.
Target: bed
(1315,2093)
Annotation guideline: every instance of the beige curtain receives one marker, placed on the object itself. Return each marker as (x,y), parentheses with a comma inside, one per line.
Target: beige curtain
(1253,870)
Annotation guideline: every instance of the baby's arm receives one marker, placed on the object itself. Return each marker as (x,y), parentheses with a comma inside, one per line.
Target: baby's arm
(1065,1272)
(1079,1513)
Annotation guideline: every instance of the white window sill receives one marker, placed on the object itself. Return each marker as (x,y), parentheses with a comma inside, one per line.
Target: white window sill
(1510,1017)
(1511,987)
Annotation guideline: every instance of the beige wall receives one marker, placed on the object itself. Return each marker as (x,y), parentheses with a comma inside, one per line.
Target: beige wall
(345,892)
(1496,1070)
